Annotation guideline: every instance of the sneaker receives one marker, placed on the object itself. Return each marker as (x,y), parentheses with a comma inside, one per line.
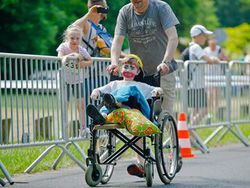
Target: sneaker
(136,170)
(94,113)
(109,101)
(85,133)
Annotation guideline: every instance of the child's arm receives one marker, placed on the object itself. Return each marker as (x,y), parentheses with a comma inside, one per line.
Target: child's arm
(84,58)
(104,89)
(84,63)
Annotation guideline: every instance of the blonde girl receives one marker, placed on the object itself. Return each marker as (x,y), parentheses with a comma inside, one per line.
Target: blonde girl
(74,75)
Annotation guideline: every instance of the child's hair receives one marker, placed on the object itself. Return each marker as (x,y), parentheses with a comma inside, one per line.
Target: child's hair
(71,29)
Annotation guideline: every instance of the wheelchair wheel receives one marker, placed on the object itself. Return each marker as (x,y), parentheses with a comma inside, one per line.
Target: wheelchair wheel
(167,150)
(93,175)
(149,173)
(106,147)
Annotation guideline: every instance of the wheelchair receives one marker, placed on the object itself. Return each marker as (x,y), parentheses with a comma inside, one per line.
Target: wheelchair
(104,151)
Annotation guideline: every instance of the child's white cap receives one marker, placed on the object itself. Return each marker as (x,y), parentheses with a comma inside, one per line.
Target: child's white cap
(199,29)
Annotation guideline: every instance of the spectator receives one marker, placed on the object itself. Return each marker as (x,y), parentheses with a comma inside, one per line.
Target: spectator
(214,50)
(73,77)
(150,26)
(94,44)
(197,96)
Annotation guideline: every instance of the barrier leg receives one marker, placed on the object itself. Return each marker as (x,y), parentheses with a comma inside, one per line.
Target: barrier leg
(60,156)
(213,135)
(196,140)
(39,158)
(2,182)
(6,174)
(240,136)
(243,139)
(224,132)
(82,166)
(84,156)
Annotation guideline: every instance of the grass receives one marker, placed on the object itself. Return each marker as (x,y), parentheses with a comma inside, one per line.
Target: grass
(17,160)
(228,138)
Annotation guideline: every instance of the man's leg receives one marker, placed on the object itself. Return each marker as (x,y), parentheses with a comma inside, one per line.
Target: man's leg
(168,83)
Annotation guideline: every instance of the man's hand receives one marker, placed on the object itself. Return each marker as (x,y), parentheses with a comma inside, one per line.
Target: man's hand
(113,69)
(95,94)
(163,68)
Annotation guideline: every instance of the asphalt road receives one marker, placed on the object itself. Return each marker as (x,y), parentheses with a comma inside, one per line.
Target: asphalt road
(225,167)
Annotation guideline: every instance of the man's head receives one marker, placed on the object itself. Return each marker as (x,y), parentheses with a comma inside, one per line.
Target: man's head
(91,3)
(101,3)
(140,6)
(199,34)
(131,66)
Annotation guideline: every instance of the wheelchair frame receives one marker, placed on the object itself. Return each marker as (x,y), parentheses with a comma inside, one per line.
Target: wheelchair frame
(166,163)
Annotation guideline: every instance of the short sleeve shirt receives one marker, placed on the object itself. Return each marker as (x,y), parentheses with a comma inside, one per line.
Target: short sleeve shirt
(146,32)
(196,53)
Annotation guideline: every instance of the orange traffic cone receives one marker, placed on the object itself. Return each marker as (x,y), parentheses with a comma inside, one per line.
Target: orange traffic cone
(183,135)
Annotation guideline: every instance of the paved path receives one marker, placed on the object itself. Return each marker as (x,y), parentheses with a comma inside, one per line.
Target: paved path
(222,168)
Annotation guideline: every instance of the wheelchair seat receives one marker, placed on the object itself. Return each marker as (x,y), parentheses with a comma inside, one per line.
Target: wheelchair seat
(108,127)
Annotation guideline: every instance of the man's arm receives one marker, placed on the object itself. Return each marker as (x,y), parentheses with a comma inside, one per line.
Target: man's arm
(170,51)
(116,48)
(82,22)
(172,43)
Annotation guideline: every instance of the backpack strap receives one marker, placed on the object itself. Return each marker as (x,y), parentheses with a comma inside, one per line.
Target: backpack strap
(88,43)
(103,34)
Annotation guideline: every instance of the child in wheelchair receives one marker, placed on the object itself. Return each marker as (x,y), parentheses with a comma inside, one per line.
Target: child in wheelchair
(125,94)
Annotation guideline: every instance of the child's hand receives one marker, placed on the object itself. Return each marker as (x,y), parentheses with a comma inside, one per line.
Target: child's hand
(95,94)
(157,92)
(215,60)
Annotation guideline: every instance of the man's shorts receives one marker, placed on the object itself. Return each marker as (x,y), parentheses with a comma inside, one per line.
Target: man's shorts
(76,90)
(197,98)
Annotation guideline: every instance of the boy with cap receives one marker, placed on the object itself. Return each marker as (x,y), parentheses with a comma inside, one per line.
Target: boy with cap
(197,97)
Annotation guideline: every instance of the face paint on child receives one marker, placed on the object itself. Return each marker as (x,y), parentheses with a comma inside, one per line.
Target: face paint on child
(129,71)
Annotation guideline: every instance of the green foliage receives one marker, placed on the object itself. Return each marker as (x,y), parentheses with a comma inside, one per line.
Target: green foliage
(233,12)
(238,40)
(36,27)
(193,12)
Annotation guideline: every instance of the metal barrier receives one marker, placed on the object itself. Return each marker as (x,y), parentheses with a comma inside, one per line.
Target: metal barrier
(38,106)
(207,98)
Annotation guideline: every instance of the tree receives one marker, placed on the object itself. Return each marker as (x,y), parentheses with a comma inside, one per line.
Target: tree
(233,12)
(35,28)
(238,40)
(194,12)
